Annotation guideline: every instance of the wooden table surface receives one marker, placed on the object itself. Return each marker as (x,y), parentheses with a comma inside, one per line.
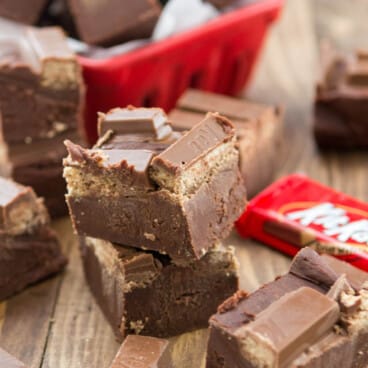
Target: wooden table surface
(57,324)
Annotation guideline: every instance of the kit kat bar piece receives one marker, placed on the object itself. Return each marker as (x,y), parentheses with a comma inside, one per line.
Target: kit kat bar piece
(40,72)
(145,293)
(119,21)
(258,131)
(143,352)
(123,178)
(29,249)
(8,361)
(22,11)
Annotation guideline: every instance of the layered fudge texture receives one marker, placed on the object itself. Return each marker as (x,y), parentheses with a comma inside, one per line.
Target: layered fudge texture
(156,189)
(40,105)
(143,292)
(29,249)
(143,352)
(314,316)
(122,20)
(258,131)
(341,106)
(8,361)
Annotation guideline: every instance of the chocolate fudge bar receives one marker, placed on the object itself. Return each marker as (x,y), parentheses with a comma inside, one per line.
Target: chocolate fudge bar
(143,352)
(341,105)
(258,129)
(8,361)
(118,20)
(145,293)
(310,317)
(42,89)
(28,11)
(151,186)
(29,249)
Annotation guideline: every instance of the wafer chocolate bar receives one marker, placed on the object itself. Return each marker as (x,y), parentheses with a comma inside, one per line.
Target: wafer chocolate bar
(121,21)
(341,100)
(29,249)
(143,352)
(42,89)
(150,190)
(22,11)
(8,361)
(143,292)
(258,130)
(310,317)
(296,211)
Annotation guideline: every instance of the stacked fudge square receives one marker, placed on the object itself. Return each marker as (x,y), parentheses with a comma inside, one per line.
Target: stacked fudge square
(152,206)
(40,106)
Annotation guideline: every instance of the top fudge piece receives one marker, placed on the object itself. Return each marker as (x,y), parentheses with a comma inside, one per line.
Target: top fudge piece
(22,11)
(341,107)
(118,21)
(41,81)
(272,327)
(8,361)
(143,352)
(258,131)
(20,210)
(135,189)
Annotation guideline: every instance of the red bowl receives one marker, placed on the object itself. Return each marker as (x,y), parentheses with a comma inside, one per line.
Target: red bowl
(218,56)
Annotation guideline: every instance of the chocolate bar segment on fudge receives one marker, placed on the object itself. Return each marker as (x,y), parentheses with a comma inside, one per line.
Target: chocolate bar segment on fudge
(305,318)
(341,100)
(40,72)
(29,249)
(149,191)
(258,130)
(145,293)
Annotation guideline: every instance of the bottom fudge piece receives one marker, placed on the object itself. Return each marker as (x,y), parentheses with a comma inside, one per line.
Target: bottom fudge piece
(304,319)
(29,249)
(143,352)
(8,361)
(145,293)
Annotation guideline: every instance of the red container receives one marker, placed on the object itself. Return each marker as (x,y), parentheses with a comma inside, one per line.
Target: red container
(217,57)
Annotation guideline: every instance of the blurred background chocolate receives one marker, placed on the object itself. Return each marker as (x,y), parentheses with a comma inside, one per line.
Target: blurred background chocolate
(28,11)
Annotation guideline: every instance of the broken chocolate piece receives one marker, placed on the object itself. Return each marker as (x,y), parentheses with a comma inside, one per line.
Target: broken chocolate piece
(145,293)
(143,352)
(119,21)
(258,131)
(8,361)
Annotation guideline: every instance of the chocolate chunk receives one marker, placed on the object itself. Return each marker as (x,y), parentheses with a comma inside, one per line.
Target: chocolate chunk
(258,131)
(22,11)
(119,21)
(143,292)
(38,68)
(8,361)
(143,352)
(152,122)
(283,330)
(20,210)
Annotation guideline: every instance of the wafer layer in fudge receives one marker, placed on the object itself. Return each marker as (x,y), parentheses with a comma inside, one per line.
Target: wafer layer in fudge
(143,352)
(341,106)
(29,249)
(171,193)
(310,317)
(145,293)
(258,130)
(118,20)
(42,89)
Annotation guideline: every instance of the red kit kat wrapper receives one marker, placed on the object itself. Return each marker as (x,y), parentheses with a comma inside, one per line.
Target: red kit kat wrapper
(296,211)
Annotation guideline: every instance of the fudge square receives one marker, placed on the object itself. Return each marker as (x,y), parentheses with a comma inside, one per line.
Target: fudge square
(145,186)
(258,129)
(145,293)
(341,106)
(42,90)
(314,316)
(143,352)
(29,249)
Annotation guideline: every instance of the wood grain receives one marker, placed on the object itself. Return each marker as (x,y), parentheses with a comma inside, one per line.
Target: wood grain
(57,323)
